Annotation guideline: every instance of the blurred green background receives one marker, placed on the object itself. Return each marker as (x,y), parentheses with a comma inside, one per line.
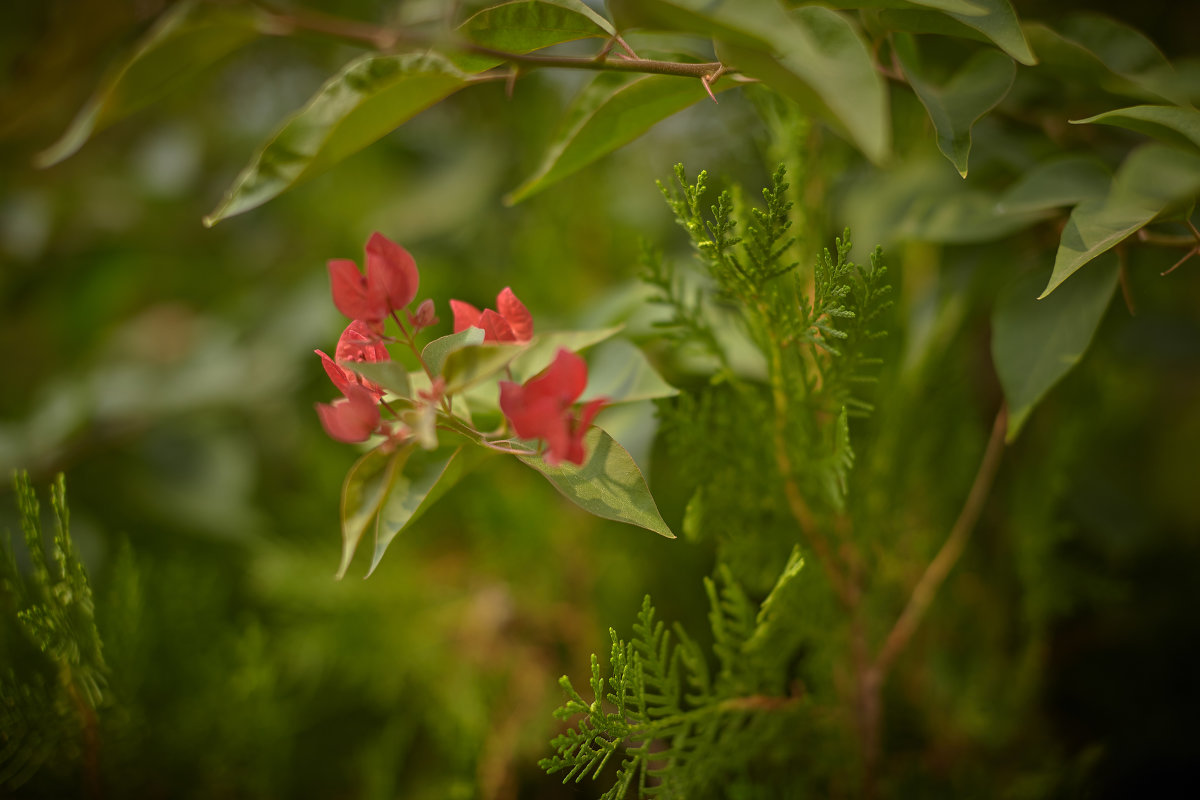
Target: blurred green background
(167,369)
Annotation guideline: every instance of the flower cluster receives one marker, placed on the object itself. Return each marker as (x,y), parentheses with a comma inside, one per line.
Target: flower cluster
(540,409)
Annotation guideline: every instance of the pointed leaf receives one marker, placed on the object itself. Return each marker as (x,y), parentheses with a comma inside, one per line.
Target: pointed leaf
(613,110)
(544,347)
(421,482)
(955,107)
(999,25)
(470,365)
(619,371)
(1153,180)
(1036,342)
(1063,181)
(968,7)
(364,491)
(608,485)
(392,376)
(434,354)
(522,26)
(1171,124)
(369,98)
(187,39)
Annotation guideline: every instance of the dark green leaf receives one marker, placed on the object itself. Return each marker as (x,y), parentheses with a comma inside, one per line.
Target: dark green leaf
(1036,342)
(1171,124)
(957,105)
(1062,181)
(368,99)
(608,485)
(434,354)
(1154,180)
(526,25)
(612,111)
(998,25)
(187,39)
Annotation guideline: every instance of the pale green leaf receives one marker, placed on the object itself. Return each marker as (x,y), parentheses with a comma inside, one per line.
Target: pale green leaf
(363,492)
(470,365)
(392,376)
(613,110)
(968,7)
(435,353)
(998,25)
(608,484)
(956,106)
(1171,124)
(368,99)
(545,346)
(1153,180)
(1036,342)
(1061,181)
(187,39)
(619,371)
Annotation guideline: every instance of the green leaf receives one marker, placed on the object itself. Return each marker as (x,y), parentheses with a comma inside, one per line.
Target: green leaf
(526,25)
(1171,124)
(392,376)
(1062,181)
(968,7)
(368,99)
(1153,181)
(1036,342)
(542,350)
(609,484)
(363,492)
(420,482)
(998,25)
(957,105)
(730,20)
(470,365)
(818,59)
(435,353)
(187,39)
(613,110)
(619,371)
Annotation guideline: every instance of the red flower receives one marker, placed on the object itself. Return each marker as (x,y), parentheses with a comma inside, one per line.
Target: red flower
(356,344)
(513,323)
(390,283)
(352,418)
(541,408)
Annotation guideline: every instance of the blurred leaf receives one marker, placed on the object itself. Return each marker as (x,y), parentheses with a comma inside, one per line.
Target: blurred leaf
(821,63)
(363,492)
(968,7)
(474,363)
(619,371)
(729,20)
(435,353)
(1171,124)
(1036,342)
(1153,180)
(187,39)
(544,347)
(613,110)
(609,484)
(526,25)
(391,375)
(420,482)
(956,106)
(368,99)
(1062,181)
(998,25)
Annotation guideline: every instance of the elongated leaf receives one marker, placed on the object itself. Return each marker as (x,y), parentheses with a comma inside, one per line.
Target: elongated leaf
(968,7)
(608,485)
(526,25)
(390,375)
(434,354)
(612,111)
(368,99)
(1036,342)
(729,20)
(186,40)
(363,492)
(470,365)
(619,371)
(1153,180)
(999,25)
(1171,124)
(955,107)
(1062,181)
(424,477)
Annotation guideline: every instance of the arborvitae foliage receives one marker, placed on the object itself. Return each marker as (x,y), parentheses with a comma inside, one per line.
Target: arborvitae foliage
(677,726)
(55,677)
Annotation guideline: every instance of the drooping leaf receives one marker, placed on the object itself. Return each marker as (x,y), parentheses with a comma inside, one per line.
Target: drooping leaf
(187,39)
(956,106)
(1036,342)
(368,99)
(363,492)
(609,484)
(434,354)
(1061,181)
(390,375)
(998,25)
(420,482)
(612,111)
(619,371)
(1154,180)
(1171,124)
(522,26)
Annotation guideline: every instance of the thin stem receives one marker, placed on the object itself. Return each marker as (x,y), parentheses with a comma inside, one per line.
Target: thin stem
(935,574)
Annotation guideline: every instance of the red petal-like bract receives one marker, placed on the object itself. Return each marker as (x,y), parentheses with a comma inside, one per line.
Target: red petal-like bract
(510,323)
(356,344)
(350,292)
(392,277)
(515,314)
(465,315)
(352,418)
(495,327)
(541,408)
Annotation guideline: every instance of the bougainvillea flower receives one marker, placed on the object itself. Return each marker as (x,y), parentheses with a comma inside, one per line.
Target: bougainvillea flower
(511,322)
(390,283)
(356,344)
(541,408)
(352,418)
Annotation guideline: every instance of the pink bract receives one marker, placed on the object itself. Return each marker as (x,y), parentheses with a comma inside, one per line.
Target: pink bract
(512,322)
(356,344)
(390,283)
(541,408)
(352,418)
